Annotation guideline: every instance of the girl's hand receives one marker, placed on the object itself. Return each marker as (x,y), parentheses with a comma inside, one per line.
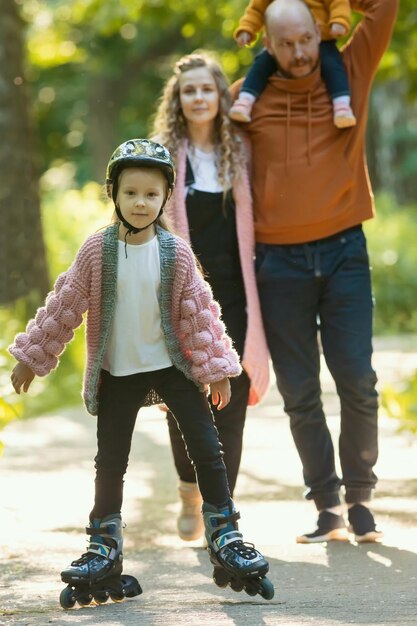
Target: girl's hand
(221,393)
(22,375)
(337,30)
(243,39)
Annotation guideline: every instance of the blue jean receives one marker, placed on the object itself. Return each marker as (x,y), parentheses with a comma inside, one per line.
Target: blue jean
(324,284)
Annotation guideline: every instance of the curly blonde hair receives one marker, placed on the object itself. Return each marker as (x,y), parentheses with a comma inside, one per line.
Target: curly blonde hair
(170,124)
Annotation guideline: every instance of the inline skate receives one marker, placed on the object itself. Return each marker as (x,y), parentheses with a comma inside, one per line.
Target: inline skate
(97,575)
(236,563)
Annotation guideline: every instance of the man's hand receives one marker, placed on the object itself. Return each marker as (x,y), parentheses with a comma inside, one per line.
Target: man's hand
(220,393)
(337,30)
(22,376)
(243,39)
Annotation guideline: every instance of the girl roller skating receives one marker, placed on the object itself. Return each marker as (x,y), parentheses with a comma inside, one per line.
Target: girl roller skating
(153,334)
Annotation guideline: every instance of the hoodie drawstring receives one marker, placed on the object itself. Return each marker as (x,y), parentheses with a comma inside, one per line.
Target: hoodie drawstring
(309,127)
(288,129)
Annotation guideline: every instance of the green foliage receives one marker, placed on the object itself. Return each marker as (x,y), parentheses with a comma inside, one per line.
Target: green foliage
(10,405)
(391,242)
(401,403)
(393,253)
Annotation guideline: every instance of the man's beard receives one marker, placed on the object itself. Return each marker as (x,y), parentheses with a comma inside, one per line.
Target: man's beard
(286,74)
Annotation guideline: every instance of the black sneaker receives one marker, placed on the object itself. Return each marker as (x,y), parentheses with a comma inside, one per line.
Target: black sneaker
(330,527)
(362,524)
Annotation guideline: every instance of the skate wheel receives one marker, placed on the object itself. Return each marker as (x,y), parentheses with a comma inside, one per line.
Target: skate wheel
(267,589)
(221,577)
(118,597)
(66,598)
(101,597)
(252,588)
(236,585)
(84,599)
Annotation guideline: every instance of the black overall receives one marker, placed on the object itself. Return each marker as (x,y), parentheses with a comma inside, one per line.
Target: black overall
(212,224)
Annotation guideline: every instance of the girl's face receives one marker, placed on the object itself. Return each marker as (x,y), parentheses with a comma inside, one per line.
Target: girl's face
(199,96)
(140,196)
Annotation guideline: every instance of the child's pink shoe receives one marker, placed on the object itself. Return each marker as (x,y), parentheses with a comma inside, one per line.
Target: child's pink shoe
(343,116)
(241,110)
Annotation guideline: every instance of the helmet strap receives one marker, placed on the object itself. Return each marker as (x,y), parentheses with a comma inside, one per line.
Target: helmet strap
(132,229)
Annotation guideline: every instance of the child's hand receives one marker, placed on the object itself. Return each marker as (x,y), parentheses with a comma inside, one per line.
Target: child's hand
(243,39)
(337,30)
(22,375)
(220,393)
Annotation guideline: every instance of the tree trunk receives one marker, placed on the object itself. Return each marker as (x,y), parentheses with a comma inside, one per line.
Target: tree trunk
(22,253)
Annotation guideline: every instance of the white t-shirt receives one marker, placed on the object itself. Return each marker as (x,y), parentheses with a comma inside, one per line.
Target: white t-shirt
(204,169)
(136,342)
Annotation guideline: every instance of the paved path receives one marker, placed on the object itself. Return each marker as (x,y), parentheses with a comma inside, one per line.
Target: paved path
(46,493)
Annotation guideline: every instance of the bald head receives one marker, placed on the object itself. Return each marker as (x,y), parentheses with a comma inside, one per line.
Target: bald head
(287,11)
(292,37)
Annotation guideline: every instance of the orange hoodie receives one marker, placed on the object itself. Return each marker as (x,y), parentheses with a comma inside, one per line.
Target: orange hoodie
(309,179)
(325,12)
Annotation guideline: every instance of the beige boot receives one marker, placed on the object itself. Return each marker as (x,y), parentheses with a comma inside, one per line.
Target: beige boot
(190,520)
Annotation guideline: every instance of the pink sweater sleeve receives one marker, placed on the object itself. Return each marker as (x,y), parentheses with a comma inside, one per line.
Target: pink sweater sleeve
(52,328)
(202,333)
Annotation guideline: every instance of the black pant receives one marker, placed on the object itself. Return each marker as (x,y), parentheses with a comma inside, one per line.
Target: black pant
(333,71)
(120,398)
(230,421)
(329,281)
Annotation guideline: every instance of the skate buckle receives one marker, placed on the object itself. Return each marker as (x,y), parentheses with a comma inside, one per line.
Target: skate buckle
(222,520)
(227,538)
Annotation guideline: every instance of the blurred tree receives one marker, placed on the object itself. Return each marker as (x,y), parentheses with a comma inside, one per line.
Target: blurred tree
(392,127)
(22,254)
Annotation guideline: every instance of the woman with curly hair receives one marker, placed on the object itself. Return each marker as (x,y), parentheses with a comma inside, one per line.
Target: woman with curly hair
(211,208)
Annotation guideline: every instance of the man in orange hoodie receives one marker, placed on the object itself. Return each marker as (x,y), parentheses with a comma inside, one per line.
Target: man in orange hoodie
(311,193)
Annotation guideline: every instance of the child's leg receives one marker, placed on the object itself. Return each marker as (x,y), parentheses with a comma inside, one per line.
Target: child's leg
(229,423)
(241,564)
(255,82)
(195,420)
(120,399)
(334,75)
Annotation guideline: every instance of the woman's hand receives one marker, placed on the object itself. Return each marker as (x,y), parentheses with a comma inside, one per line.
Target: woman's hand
(22,376)
(221,393)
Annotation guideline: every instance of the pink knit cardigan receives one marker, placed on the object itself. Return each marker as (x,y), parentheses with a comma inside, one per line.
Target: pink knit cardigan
(256,355)
(190,318)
